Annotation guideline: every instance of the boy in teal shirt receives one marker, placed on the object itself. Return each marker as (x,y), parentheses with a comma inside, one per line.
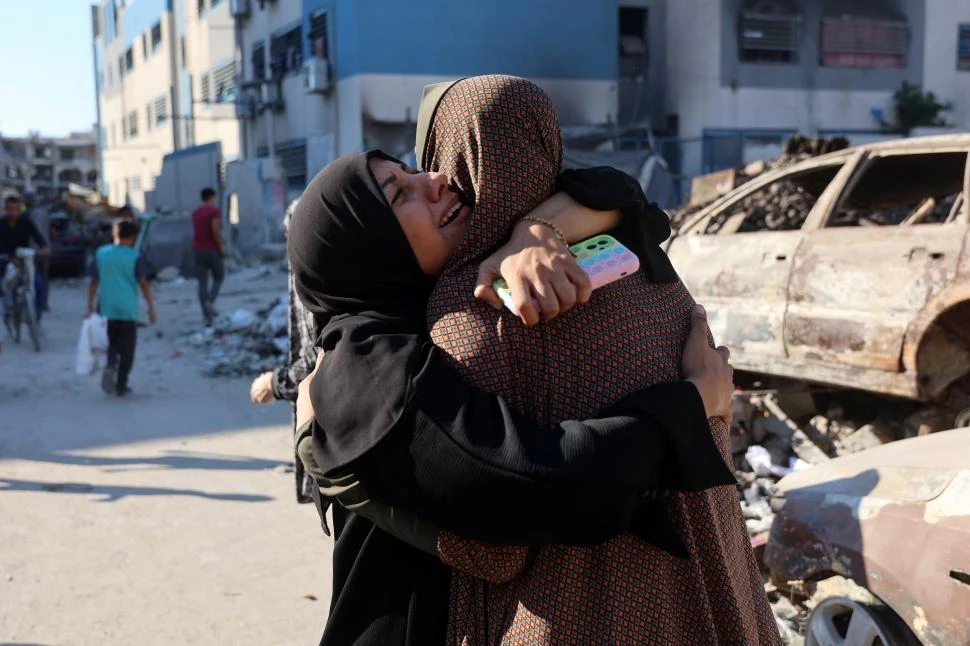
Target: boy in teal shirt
(117,275)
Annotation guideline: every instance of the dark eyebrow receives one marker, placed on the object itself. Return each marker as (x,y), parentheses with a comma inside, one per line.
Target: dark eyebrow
(390,179)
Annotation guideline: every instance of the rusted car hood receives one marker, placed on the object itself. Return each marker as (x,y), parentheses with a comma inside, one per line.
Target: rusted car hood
(896,520)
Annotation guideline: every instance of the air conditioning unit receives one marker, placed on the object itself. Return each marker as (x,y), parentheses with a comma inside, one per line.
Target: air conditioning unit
(245,107)
(271,97)
(239,8)
(316,75)
(269,169)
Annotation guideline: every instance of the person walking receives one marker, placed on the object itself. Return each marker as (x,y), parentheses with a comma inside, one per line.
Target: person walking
(118,274)
(208,253)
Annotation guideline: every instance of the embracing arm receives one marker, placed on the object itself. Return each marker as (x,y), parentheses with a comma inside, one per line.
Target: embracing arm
(461,458)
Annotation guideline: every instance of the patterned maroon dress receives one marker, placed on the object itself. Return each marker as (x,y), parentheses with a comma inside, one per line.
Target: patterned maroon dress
(498,138)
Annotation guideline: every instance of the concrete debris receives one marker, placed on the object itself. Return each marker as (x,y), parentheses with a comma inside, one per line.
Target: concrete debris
(781,210)
(244,343)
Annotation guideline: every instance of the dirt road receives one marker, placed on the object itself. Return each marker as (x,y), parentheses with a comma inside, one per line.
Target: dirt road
(167,517)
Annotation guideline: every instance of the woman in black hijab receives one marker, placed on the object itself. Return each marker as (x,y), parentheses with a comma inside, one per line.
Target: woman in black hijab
(393,411)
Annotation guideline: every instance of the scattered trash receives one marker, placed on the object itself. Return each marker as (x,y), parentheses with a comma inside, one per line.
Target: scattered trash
(243,343)
(168,274)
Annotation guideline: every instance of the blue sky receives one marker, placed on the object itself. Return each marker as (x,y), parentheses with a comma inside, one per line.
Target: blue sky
(46,67)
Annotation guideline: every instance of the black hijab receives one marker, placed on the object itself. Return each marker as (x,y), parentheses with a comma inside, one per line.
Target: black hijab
(348,252)
(354,269)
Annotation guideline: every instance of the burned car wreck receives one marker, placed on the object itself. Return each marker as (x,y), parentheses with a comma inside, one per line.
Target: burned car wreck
(887,532)
(849,269)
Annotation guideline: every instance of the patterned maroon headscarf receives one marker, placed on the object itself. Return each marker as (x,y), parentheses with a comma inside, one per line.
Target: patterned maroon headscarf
(498,138)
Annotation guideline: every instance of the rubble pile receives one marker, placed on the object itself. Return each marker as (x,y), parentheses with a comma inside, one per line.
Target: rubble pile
(244,343)
(778,211)
(776,432)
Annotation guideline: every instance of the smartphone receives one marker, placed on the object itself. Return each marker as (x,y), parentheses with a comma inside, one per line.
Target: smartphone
(602,257)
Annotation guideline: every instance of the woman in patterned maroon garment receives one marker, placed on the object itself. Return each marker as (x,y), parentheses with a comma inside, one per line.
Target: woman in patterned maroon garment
(682,420)
(498,139)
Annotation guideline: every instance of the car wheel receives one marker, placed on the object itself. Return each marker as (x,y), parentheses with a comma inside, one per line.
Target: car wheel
(840,621)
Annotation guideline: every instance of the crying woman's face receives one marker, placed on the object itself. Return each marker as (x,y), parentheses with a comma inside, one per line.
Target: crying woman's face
(431,214)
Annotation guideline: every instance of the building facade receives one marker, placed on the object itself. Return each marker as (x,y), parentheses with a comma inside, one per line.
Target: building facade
(46,166)
(742,75)
(165,74)
(321,78)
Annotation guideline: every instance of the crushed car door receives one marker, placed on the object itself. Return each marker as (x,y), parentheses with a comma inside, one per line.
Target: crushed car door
(736,261)
(858,281)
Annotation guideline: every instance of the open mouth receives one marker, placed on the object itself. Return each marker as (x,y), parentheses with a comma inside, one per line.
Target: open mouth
(453,214)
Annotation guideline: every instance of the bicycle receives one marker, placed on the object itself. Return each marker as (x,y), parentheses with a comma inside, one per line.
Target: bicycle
(18,296)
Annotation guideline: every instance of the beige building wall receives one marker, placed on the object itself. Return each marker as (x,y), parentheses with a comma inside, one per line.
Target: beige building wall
(941,75)
(695,91)
(210,47)
(131,162)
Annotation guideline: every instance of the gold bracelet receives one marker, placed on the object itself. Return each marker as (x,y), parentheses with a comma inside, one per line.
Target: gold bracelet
(556,230)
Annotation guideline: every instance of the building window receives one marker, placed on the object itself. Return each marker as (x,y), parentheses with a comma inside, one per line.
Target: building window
(318,36)
(633,42)
(864,43)
(259,60)
(67,154)
(768,37)
(124,128)
(182,51)
(963,48)
(204,89)
(133,123)
(286,53)
(200,7)
(156,36)
(148,117)
(121,67)
(135,183)
(130,59)
(96,20)
(224,80)
(161,110)
(144,46)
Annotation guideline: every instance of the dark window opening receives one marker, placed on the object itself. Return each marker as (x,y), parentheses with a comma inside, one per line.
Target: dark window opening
(200,7)
(633,41)
(224,80)
(156,36)
(161,110)
(963,47)
(129,59)
(259,60)
(782,205)
(864,43)
(286,53)
(768,32)
(318,36)
(144,46)
(893,189)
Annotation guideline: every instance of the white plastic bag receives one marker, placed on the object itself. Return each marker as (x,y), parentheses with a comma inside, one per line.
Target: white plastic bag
(92,345)
(99,333)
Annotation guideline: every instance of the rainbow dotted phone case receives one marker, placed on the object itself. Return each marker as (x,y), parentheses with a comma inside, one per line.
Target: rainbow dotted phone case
(602,257)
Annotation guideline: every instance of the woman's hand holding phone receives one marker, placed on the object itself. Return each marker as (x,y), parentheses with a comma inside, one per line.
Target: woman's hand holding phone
(541,273)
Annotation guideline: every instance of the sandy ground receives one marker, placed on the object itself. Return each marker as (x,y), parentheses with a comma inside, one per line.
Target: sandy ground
(167,517)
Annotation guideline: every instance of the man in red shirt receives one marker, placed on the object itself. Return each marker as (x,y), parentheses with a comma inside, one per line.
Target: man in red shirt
(208,252)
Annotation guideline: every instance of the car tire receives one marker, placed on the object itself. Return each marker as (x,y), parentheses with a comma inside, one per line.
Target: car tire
(841,621)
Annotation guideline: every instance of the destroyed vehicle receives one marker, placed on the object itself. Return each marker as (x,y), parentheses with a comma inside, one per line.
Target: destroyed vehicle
(886,533)
(848,269)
